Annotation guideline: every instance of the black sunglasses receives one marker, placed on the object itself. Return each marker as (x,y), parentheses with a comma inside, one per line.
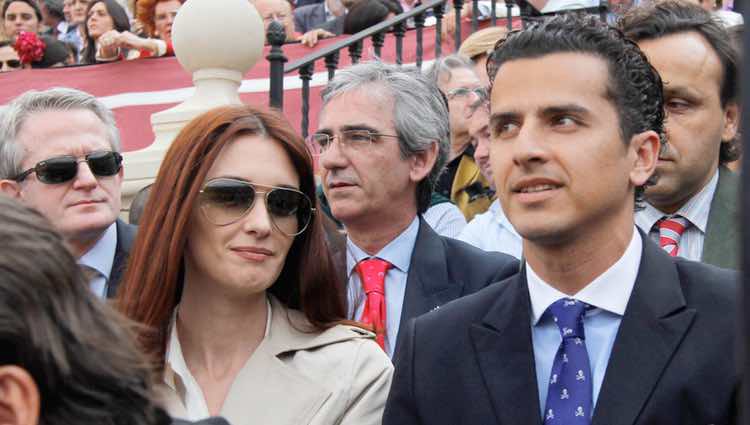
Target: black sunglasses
(224,201)
(61,169)
(11,63)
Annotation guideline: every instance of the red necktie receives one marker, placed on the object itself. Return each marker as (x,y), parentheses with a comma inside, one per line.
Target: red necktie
(670,231)
(372,273)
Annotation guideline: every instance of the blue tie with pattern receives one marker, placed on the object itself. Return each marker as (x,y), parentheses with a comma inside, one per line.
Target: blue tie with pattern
(569,397)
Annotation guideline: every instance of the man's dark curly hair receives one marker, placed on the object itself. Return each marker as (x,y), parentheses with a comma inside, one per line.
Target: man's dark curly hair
(665,18)
(634,87)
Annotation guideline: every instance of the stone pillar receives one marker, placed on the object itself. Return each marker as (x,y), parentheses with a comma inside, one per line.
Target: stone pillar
(215,43)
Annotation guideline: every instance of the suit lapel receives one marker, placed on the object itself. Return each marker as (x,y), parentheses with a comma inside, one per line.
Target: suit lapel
(125,236)
(504,351)
(428,285)
(655,322)
(721,245)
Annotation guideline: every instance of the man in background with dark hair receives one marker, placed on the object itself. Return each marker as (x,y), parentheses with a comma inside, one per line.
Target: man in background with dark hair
(692,211)
(601,326)
(65,357)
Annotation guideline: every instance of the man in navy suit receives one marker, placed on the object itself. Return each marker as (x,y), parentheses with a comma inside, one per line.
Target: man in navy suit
(601,326)
(382,141)
(60,154)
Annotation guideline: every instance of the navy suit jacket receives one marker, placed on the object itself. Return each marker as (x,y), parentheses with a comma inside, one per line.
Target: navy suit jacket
(313,16)
(443,269)
(125,237)
(673,363)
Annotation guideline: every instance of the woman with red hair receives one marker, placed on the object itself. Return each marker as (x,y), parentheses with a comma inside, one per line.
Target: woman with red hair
(231,277)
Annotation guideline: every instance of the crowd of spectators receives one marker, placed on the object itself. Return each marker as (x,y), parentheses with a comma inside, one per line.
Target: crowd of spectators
(103,31)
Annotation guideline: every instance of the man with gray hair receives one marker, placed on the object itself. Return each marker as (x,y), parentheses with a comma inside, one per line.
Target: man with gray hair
(382,141)
(462,181)
(60,154)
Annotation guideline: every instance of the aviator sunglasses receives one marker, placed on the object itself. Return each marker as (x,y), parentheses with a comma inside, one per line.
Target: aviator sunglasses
(225,201)
(61,169)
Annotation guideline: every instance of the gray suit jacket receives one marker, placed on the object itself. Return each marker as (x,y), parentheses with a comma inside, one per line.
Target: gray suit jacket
(721,246)
(310,17)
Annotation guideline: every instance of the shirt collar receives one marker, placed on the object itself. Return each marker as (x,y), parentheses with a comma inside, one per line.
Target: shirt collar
(397,252)
(501,218)
(609,291)
(101,256)
(695,210)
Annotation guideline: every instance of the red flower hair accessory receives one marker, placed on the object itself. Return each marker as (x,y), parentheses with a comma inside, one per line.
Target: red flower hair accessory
(30,47)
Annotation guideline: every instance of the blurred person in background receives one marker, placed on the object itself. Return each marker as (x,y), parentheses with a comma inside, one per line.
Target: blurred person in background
(106,20)
(365,14)
(234,286)
(490,230)
(157,17)
(69,30)
(321,20)
(9,60)
(461,181)
(52,17)
(277,10)
(478,46)
(21,15)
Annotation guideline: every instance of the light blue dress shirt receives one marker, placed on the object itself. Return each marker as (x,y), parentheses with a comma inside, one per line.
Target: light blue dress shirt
(609,294)
(100,257)
(491,231)
(398,252)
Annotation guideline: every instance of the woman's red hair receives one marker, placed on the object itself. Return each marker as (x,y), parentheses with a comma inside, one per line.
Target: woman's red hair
(145,11)
(152,285)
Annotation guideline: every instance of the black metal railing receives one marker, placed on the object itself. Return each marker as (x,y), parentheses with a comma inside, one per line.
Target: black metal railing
(377,34)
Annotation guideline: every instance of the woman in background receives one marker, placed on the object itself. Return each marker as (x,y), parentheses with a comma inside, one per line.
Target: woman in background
(104,19)
(231,278)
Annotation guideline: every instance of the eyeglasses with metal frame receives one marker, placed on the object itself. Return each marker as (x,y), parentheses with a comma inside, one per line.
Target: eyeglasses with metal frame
(225,201)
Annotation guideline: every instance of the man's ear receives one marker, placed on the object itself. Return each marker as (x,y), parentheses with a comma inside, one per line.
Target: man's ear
(644,149)
(19,397)
(731,121)
(10,188)
(422,162)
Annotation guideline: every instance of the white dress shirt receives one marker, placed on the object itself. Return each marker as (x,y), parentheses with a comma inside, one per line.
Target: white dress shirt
(445,219)
(398,252)
(178,377)
(491,231)
(100,257)
(609,293)
(695,211)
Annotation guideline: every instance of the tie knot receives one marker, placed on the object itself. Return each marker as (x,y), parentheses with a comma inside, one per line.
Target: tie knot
(89,273)
(568,316)
(372,272)
(670,231)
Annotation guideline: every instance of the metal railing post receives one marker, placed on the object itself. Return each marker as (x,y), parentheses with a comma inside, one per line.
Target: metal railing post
(458,5)
(276,36)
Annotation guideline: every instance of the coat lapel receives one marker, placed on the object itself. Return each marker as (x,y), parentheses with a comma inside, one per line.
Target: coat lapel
(428,285)
(503,348)
(655,322)
(125,236)
(721,246)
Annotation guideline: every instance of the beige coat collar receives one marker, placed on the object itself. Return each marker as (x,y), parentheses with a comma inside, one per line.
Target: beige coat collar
(267,390)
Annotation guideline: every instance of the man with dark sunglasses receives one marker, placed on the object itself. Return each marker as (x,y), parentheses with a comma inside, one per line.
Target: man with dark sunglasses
(60,154)
(9,60)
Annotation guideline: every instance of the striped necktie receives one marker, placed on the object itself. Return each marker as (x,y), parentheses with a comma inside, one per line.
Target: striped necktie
(670,231)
